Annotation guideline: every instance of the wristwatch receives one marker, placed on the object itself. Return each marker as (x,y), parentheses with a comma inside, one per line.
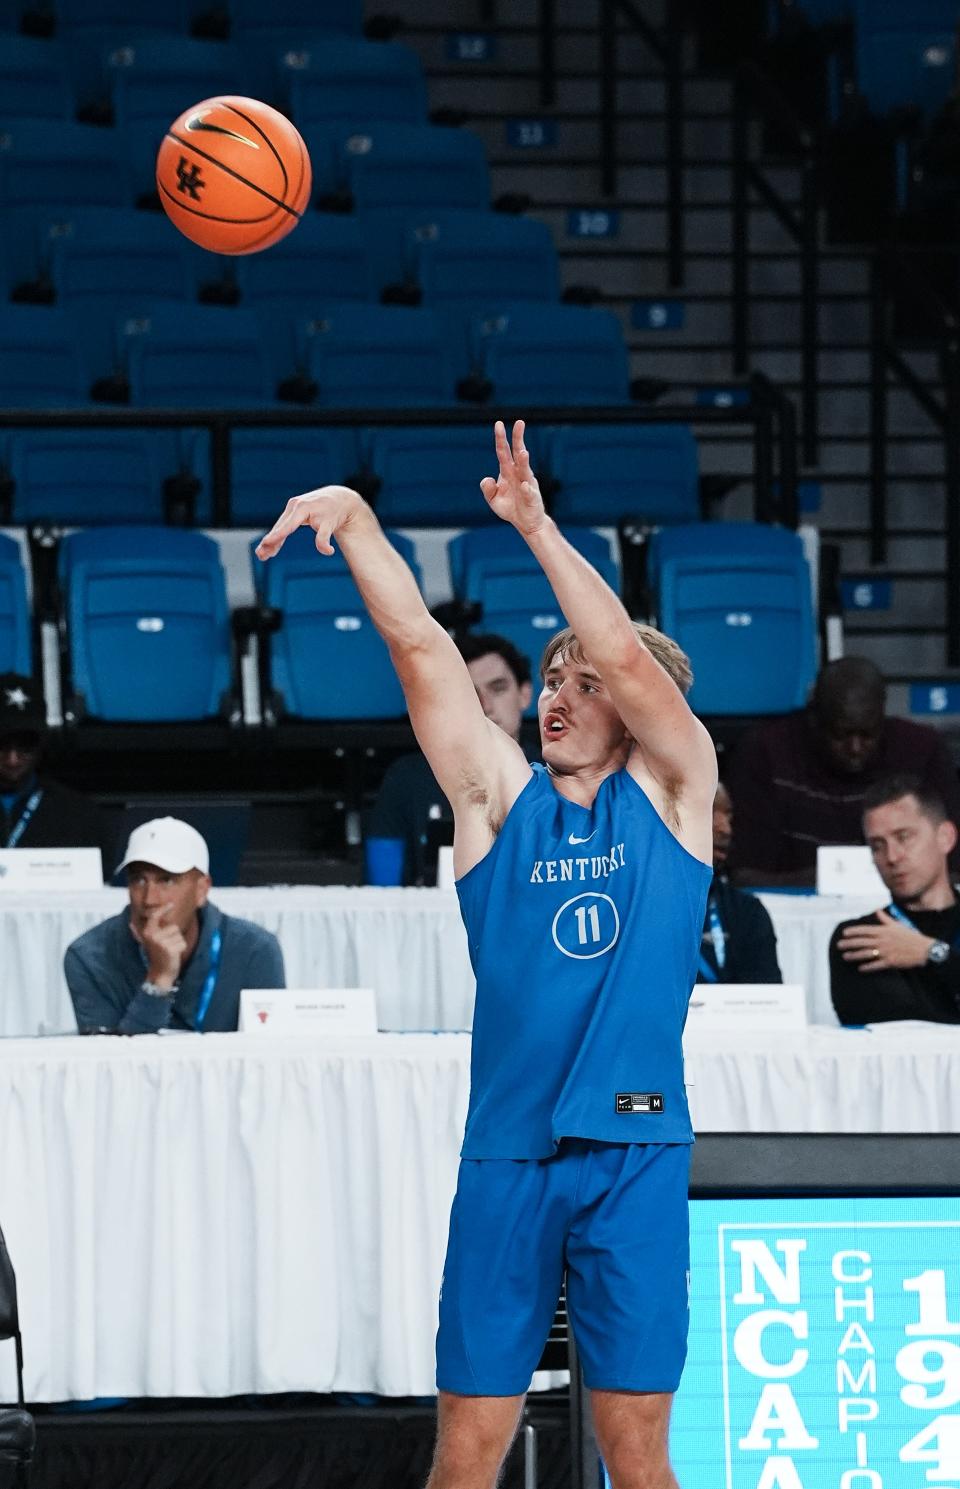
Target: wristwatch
(938,953)
(153,991)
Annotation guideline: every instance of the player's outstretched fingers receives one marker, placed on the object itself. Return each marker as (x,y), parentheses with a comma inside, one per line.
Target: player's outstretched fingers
(288,521)
(504,454)
(489,488)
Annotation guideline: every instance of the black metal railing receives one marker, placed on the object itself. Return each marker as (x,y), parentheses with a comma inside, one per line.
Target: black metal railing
(768,413)
(667,47)
(895,281)
(756,98)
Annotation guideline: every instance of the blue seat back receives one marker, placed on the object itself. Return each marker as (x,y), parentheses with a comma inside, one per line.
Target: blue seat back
(494,568)
(349,78)
(327,660)
(207,358)
(905,53)
(152,79)
(147,624)
(325,258)
(40,361)
(554,354)
(14,615)
(119,15)
(269,466)
(431,477)
(481,258)
(736,597)
(396,165)
(373,356)
(44,162)
(34,81)
(299,16)
(648,472)
(83,476)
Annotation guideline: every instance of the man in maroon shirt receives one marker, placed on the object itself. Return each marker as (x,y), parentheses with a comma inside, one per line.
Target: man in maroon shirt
(800,781)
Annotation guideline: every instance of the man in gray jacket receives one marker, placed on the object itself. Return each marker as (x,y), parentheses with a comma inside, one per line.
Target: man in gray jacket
(171,960)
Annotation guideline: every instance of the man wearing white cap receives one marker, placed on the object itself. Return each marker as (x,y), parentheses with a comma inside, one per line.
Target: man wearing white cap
(172,960)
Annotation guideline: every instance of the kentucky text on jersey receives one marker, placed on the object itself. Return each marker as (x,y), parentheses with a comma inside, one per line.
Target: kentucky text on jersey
(564,870)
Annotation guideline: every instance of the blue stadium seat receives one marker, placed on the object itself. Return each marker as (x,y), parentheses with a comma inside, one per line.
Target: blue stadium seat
(40,360)
(431,477)
(152,79)
(648,472)
(47,162)
(34,80)
(905,61)
(210,358)
(14,615)
(327,660)
(114,251)
(481,258)
(118,16)
(554,354)
(373,356)
(268,466)
(300,17)
(736,596)
(147,625)
(347,78)
(84,476)
(494,568)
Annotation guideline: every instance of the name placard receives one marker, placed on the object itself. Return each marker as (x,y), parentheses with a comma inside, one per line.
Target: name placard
(747,1005)
(26,870)
(849,871)
(445,878)
(341,1010)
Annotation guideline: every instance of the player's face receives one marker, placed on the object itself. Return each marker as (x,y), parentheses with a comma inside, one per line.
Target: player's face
(909,848)
(502,698)
(151,888)
(579,727)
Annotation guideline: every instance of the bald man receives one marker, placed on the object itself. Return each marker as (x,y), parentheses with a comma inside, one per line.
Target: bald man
(800,781)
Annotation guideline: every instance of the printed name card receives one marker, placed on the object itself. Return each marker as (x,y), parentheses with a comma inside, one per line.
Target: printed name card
(29,870)
(445,879)
(747,1005)
(336,1011)
(849,871)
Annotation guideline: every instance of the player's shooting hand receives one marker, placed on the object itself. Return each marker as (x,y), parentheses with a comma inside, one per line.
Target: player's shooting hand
(514,495)
(326,510)
(164,943)
(877,948)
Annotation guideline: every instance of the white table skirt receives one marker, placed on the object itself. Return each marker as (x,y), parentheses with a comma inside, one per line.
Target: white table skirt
(206,1216)
(408,944)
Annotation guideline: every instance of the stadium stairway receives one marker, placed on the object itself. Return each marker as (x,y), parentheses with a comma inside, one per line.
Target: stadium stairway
(683,335)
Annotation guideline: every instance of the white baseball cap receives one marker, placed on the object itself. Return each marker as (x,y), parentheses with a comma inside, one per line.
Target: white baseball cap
(167,843)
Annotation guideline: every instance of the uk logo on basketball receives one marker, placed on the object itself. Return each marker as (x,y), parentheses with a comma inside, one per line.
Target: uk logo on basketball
(189,179)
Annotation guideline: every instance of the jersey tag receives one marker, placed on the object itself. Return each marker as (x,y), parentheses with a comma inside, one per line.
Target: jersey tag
(629,1102)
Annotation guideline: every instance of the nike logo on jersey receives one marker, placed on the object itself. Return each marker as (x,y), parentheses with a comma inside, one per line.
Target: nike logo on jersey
(575,841)
(576,870)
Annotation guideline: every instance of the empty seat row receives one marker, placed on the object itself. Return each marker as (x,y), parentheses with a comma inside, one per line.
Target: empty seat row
(130,80)
(147,635)
(350,355)
(181,16)
(419,477)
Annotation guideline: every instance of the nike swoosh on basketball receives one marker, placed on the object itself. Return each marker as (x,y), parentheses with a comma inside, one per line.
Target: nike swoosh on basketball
(574,842)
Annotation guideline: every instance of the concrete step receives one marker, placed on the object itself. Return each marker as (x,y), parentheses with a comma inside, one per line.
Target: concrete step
(849,507)
(469,15)
(923,552)
(904,655)
(511,83)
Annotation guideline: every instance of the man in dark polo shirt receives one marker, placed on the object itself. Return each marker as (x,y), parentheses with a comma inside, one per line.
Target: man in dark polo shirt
(903,962)
(739,943)
(35,811)
(799,782)
(171,960)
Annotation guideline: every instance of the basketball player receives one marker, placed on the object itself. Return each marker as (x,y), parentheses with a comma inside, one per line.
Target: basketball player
(582,884)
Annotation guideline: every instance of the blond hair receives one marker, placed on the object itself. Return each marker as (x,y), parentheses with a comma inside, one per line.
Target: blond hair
(665,651)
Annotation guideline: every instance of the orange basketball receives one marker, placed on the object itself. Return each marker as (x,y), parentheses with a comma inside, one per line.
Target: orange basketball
(233,175)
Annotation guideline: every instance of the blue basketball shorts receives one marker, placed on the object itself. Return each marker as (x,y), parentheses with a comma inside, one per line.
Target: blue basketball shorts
(613,1218)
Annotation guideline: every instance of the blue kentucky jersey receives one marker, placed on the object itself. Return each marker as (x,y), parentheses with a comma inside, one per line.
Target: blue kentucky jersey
(584,927)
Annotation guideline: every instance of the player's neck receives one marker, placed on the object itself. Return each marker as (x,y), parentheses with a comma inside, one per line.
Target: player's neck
(580,786)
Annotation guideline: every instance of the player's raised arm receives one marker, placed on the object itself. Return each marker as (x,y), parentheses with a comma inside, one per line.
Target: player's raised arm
(467,752)
(676,748)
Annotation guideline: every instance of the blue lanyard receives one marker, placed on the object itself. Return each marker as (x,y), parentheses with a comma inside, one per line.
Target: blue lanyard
(718,941)
(206,992)
(898,914)
(23,822)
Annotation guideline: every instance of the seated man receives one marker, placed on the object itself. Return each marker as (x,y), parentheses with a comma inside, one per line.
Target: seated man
(903,962)
(800,781)
(409,799)
(739,942)
(172,960)
(35,811)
